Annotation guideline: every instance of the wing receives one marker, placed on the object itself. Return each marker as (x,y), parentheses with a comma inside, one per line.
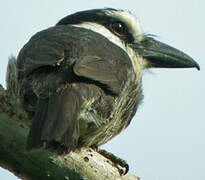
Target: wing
(43,49)
(47,66)
(64,47)
(99,70)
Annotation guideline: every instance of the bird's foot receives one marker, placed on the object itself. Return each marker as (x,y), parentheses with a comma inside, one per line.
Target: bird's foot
(121,164)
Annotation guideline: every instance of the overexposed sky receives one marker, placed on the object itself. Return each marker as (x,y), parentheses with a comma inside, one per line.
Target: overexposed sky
(165,140)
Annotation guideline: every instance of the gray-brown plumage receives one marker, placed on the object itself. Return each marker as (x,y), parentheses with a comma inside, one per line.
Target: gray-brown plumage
(80,81)
(75,90)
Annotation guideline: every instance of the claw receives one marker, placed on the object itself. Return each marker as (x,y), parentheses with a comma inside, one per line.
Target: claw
(121,164)
(125,167)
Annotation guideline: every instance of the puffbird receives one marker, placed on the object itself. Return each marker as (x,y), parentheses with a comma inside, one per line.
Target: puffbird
(80,81)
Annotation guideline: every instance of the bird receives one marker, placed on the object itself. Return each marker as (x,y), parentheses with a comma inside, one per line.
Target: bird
(80,81)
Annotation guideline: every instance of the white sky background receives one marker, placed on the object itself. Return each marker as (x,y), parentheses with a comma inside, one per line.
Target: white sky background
(165,140)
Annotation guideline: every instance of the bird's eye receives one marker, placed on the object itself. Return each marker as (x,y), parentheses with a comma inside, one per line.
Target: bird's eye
(118,28)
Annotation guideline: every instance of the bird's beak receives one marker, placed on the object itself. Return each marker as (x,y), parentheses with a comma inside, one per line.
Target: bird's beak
(162,55)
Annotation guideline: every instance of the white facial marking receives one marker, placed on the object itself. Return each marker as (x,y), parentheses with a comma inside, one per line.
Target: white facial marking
(103,31)
(134,28)
(130,20)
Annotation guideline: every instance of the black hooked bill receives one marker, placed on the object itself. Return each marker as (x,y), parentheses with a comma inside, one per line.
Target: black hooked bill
(163,56)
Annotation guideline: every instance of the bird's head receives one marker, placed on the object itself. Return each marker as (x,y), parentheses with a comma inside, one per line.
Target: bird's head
(123,29)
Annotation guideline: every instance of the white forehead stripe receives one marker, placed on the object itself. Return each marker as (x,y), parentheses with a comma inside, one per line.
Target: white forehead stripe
(129,19)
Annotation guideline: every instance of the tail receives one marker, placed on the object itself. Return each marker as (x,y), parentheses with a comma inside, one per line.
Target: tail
(55,122)
(11,77)
(34,138)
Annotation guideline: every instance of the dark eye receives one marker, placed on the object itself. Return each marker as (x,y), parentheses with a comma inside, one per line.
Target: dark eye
(118,28)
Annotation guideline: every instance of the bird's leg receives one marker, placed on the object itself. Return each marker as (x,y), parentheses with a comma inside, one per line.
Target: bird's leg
(121,164)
